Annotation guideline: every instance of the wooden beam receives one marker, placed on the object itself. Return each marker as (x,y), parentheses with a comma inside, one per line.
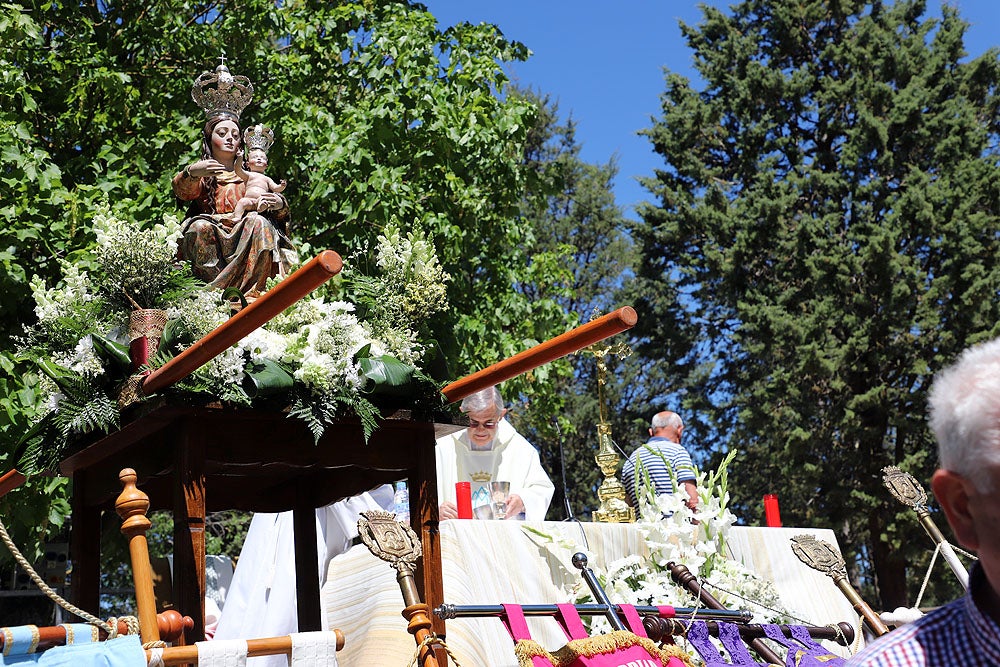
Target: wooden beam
(567,343)
(308,277)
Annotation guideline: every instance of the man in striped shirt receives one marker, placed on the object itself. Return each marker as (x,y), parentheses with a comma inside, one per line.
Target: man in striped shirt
(965,418)
(662,460)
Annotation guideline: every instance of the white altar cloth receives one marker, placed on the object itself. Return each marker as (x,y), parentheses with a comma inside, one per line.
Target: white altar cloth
(494,562)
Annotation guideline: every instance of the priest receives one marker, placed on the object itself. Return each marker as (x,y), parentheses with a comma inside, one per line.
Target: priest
(489,451)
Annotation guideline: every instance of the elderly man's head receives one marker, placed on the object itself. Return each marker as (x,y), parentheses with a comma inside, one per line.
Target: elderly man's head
(965,418)
(667,425)
(965,414)
(485,410)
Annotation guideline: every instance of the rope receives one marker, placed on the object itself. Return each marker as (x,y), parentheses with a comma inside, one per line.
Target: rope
(777,612)
(965,553)
(428,640)
(156,658)
(927,576)
(110,627)
(858,634)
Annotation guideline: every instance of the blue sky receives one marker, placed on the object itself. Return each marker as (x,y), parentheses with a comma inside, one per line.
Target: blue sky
(604,61)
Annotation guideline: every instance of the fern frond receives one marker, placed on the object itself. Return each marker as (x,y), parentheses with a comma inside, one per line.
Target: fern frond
(314,414)
(100,413)
(366,412)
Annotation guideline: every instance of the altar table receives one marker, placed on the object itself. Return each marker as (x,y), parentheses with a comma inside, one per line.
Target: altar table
(494,562)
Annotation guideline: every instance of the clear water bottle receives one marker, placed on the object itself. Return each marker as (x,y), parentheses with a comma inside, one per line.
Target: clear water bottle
(401,503)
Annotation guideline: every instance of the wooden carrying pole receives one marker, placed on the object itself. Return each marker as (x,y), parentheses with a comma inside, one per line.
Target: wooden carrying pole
(308,277)
(685,578)
(170,624)
(10,481)
(180,655)
(659,629)
(567,343)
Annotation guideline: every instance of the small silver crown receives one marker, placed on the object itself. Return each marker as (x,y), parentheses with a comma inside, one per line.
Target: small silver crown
(219,93)
(258,137)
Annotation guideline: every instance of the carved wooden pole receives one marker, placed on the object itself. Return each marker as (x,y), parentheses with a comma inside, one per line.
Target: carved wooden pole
(567,343)
(132,506)
(685,578)
(308,277)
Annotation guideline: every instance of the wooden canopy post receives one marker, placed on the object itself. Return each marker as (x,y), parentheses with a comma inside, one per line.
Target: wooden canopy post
(132,506)
(567,343)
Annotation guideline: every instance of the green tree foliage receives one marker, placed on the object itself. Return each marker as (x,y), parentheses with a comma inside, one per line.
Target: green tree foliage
(824,238)
(577,226)
(380,117)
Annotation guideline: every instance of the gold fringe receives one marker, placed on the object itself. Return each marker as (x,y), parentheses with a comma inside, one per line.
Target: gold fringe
(526,649)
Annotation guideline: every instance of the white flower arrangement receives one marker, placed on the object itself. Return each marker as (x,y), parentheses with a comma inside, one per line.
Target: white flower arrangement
(316,349)
(674,533)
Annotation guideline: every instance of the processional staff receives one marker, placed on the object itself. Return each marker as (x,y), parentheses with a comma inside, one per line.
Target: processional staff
(906,489)
(821,556)
(397,544)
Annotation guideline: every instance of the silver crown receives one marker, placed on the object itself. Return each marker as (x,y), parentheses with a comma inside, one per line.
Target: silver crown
(219,93)
(258,137)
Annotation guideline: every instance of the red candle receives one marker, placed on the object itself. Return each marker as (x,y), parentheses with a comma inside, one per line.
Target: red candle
(463,494)
(772,516)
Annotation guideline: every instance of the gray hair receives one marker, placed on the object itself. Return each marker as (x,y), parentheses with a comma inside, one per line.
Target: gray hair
(483,400)
(965,414)
(666,420)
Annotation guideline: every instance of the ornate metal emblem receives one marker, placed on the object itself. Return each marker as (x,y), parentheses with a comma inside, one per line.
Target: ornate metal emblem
(904,487)
(390,540)
(819,555)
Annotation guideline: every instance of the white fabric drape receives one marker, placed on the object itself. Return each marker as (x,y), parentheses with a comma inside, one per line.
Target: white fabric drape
(261,600)
(228,653)
(314,649)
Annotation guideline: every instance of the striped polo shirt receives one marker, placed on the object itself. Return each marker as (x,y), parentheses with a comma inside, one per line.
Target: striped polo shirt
(654,457)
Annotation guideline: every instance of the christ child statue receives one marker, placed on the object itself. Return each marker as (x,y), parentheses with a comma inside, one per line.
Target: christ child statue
(257,139)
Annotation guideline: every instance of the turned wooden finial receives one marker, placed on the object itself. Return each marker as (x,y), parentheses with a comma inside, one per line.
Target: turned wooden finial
(132,505)
(172,625)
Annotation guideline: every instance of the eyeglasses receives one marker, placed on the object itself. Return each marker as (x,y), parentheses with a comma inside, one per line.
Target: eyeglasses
(489,426)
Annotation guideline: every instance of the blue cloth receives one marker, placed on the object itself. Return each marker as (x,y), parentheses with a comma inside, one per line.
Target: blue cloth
(658,458)
(80,633)
(20,640)
(957,634)
(119,652)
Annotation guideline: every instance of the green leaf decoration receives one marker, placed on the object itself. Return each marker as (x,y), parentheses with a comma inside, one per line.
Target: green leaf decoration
(113,354)
(231,293)
(267,378)
(171,335)
(64,378)
(316,415)
(386,375)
